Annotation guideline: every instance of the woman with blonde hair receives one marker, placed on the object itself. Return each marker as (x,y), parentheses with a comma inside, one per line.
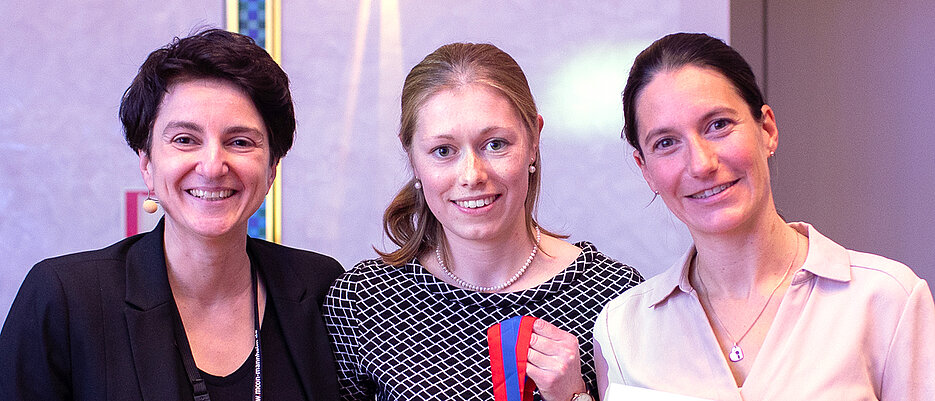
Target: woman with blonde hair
(413,324)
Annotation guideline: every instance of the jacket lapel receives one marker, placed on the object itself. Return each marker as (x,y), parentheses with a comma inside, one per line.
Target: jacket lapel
(298,313)
(150,313)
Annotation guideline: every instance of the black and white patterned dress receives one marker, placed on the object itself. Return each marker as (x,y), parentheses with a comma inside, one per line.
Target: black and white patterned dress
(400,333)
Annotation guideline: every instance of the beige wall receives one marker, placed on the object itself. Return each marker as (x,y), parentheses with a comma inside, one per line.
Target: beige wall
(853,88)
(64,164)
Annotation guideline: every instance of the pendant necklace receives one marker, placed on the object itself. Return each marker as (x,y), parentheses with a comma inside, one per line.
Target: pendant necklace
(736,353)
(495,288)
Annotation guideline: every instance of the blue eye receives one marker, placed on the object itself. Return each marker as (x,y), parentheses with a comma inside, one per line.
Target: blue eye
(496,144)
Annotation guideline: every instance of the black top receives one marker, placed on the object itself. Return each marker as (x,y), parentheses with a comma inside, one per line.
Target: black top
(280,379)
(98,325)
(400,333)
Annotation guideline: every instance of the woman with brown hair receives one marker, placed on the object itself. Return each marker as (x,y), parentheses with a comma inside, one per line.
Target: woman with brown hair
(412,324)
(758,308)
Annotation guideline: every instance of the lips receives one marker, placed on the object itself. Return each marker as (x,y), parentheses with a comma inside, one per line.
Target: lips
(712,191)
(476,203)
(211,195)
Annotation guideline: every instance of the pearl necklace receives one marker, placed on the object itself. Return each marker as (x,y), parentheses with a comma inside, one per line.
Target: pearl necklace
(472,287)
(736,353)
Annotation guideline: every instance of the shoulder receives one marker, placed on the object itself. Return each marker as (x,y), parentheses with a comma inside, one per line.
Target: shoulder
(886,269)
(78,269)
(884,274)
(605,268)
(859,272)
(75,284)
(643,297)
(288,254)
(115,253)
(307,264)
(367,279)
(370,274)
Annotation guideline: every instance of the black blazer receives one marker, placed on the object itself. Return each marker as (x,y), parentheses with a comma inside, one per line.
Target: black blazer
(98,325)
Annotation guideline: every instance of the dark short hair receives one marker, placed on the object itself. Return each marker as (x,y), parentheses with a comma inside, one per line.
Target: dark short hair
(677,50)
(212,53)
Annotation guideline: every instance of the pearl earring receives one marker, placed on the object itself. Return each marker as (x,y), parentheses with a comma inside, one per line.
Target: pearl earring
(532,169)
(150,205)
(417,184)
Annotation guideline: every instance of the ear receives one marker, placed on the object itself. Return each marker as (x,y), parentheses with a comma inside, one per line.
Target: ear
(272,175)
(642,165)
(535,142)
(146,168)
(769,129)
(415,174)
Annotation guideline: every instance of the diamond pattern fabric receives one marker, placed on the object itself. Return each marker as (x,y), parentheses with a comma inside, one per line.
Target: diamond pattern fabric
(400,333)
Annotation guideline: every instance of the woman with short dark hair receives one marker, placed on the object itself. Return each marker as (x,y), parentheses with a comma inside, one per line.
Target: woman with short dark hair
(195,308)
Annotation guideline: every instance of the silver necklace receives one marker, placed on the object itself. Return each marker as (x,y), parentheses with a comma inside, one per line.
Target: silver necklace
(736,353)
(472,287)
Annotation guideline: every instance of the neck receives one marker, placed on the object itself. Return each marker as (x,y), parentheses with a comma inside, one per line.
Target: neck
(206,269)
(741,263)
(488,263)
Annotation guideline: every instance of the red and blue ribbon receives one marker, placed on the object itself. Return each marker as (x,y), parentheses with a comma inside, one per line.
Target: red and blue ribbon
(509,345)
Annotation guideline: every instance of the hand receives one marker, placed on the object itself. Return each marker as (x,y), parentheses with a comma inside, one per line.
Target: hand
(554,362)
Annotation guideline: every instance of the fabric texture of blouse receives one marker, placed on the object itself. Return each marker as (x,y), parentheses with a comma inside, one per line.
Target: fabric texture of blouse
(851,326)
(400,333)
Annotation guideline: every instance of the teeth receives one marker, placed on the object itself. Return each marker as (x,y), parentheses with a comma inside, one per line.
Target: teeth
(711,192)
(211,195)
(474,204)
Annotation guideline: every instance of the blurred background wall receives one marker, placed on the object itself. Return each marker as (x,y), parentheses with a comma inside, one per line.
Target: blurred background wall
(852,93)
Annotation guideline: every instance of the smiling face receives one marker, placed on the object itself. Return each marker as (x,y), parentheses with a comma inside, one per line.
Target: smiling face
(209,164)
(703,151)
(472,152)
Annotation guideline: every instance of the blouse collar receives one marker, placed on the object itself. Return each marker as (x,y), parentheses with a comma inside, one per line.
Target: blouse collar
(825,259)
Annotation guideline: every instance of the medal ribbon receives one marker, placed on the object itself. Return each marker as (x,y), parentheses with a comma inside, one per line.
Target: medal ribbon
(509,344)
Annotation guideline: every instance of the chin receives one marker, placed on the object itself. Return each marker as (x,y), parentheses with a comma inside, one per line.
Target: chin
(721,222)
(213,227)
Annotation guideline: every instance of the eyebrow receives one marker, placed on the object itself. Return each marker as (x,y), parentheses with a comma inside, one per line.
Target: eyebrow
(237,129)
(184,125)
(707,116)
(484,131)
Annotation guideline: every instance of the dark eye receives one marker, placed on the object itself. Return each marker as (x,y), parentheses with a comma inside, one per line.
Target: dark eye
(663,143)
(241,142)
(442,151)
(496,144)
(182,140)
(720,124)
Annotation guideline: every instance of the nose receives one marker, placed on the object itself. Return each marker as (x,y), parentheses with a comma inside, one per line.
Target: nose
(213,160)
(473,170)
(702,157)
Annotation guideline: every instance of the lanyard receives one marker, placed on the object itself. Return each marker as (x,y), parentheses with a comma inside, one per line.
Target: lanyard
(509,345)
(198,384)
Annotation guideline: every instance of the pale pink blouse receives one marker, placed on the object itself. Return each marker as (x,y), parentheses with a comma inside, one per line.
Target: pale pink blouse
(852,326)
